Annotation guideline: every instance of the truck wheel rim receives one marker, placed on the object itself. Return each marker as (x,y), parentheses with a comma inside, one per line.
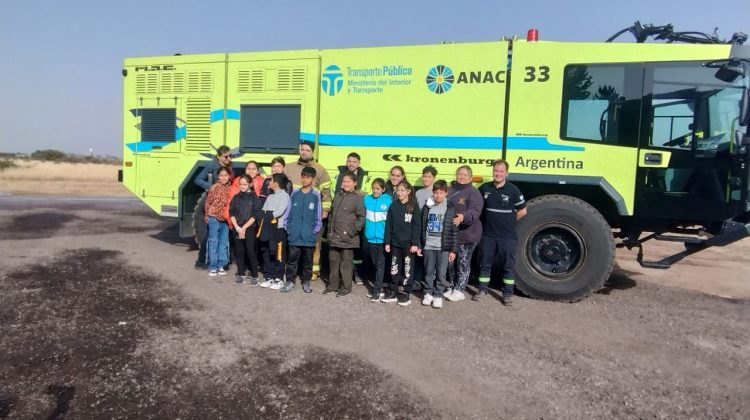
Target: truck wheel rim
(556,250)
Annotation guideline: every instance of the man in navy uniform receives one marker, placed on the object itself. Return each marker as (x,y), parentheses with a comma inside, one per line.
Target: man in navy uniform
(504,205)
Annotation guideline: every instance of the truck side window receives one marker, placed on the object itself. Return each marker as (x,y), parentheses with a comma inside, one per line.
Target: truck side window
(158,124)
(270,128)
(601,103)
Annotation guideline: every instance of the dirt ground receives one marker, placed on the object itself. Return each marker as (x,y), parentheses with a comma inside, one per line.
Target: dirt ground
(103,315)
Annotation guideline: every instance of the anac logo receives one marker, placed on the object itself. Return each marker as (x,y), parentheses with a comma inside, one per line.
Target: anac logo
(332,80)
(440,79)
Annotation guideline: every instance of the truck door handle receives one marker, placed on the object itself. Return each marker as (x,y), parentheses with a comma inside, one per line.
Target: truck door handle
(652,158)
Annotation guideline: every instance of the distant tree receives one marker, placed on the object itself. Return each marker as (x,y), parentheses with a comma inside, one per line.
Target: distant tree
(49,155)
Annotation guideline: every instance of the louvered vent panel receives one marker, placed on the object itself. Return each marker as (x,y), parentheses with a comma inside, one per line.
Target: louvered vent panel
(293,79)
(243,81)
(179,82)
(299,79)
(200,82)
(207,85)
(152,83)
(258,80)
(166,82)
(198,133)
(284,80)
(140,84)
(194,81)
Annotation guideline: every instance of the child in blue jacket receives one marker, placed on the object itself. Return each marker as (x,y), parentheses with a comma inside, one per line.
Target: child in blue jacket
(376,210)
(302,227)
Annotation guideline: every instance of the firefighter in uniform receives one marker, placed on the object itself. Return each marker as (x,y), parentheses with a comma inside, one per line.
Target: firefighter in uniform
(321,183)
(504,205)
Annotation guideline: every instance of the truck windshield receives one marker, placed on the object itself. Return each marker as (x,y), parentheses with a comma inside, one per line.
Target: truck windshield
(692,109)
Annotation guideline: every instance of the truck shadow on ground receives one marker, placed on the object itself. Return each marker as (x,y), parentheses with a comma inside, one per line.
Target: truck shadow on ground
(619,280)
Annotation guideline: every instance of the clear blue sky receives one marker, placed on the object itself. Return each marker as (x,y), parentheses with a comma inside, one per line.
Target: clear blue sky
(60,80)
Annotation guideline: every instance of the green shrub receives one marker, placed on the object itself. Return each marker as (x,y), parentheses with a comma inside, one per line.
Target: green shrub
(49,155)
(6,163)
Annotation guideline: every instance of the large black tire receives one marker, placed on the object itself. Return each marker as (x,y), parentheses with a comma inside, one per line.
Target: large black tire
(199,220)
(565,249)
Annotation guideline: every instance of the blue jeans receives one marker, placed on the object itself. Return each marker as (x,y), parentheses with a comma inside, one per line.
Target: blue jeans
(218,244)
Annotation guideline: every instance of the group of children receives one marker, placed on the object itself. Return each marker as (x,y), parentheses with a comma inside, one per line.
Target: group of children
(425,234)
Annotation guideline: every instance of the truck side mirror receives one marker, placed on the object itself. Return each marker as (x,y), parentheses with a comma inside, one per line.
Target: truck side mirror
(745,108)
(740,139)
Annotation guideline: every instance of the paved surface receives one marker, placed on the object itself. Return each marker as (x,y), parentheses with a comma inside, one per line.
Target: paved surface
(102,315)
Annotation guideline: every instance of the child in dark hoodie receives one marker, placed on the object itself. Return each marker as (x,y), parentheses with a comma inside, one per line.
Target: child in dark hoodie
(402,239)
(244,212)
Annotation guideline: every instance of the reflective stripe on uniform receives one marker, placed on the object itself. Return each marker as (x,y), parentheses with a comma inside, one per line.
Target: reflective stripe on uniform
(484,279)
(509,281)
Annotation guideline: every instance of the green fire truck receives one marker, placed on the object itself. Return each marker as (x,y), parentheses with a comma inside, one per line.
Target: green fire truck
(612,144)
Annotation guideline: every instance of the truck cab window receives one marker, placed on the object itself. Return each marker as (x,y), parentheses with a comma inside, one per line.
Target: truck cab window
(601,103)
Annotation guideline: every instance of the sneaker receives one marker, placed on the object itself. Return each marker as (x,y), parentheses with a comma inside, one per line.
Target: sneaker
(239,279)
(456,296)
(358,280)
(480,294)
(288,287)
(437,303)
(277,284)
(506,300)
(327,291)
(222,272)
(252,281)
(342,294)
(306,287)
(403,299)
(448,292)
(212,273)
(200,265)
(389,297)
(376,297)
(266,283)
(427,299)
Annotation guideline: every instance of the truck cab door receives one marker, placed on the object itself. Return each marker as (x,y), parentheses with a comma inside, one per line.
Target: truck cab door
(686,154)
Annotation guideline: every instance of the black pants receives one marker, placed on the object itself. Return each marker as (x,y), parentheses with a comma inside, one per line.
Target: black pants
(402,269)
(300,257)
(245,252)
(274,255)
(376,254)
(501,252)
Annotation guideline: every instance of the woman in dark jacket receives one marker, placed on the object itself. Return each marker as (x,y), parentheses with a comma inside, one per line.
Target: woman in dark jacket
(346,220)
(468,203)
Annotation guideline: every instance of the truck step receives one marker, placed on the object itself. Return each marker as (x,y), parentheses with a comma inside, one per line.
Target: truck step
(660,265)
(683,239)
